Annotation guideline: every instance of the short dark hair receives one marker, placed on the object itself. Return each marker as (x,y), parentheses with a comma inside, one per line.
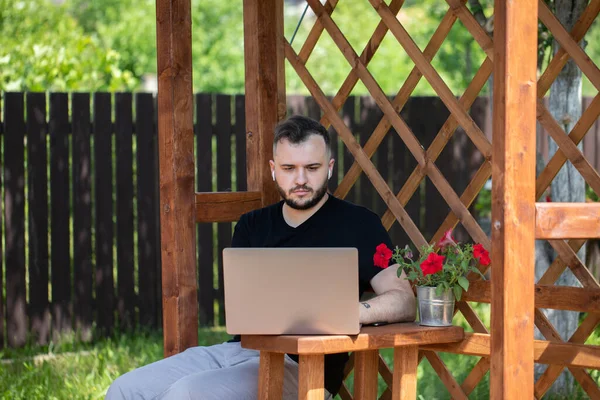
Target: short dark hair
(297,128)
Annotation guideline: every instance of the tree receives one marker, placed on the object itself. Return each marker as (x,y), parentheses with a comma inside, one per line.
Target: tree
(569,185)
(42,48)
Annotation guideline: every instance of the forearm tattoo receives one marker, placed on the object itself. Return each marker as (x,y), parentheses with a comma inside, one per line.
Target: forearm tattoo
(367,305)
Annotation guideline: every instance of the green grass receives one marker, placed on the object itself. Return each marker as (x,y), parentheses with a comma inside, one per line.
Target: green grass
(73,370)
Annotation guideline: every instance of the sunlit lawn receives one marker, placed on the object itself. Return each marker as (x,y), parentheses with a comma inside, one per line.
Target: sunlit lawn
(73,370)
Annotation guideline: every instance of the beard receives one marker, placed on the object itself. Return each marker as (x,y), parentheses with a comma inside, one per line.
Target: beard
(308,203)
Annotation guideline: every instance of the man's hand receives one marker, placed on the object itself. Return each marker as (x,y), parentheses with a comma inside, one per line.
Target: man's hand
(394,300)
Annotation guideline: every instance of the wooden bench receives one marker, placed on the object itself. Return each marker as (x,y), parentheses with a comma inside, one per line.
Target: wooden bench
(405,338)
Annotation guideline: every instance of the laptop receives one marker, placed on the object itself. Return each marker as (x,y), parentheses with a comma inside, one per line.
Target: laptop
(293,291)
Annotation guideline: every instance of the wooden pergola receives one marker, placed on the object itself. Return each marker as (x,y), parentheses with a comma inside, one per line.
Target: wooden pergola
(508,349)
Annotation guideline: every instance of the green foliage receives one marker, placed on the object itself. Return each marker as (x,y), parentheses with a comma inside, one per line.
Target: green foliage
(77,371)
(43,48)
(457,263)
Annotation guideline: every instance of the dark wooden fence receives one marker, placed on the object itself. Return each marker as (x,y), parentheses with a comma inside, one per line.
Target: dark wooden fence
(79,221)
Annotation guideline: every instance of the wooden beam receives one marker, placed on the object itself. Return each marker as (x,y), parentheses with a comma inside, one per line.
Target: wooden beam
(176,152)
(369,338)
(225,206)
(263,77)
(513,213)
(546,296)
(545,352)
(567,220)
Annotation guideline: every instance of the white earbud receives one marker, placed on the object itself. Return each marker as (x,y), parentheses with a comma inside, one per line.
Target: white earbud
(273,174)
(329,175)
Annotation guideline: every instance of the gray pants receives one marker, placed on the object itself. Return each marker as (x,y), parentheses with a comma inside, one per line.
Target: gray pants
(221,372)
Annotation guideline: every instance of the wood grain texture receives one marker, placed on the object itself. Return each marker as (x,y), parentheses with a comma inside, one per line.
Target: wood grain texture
(561,57)
(405,373)
(310,377)
(546,296)
(225,206)
(567,220)
(567,147)
(262,93)
(369,338)
(513,213)
(545,352)
(445,375)
(270,376)
(561,35)
(365,374)
(176,155)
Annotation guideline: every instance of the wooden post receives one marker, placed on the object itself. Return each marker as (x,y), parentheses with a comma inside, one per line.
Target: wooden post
(513,197)
(264,78)
(176,152)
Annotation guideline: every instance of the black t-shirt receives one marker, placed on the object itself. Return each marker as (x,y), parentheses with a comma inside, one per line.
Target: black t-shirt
(337,223)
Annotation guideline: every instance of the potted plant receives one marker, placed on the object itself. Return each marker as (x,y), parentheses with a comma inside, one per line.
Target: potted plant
(439,273)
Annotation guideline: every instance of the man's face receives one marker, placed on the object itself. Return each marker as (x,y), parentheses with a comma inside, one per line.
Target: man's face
(301,171)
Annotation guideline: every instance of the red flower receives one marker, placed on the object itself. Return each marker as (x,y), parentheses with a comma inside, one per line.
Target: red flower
(446,240)
(382,256)
(480,253)
(432,264)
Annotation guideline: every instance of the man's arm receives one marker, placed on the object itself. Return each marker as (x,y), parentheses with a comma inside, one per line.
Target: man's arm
(394,300)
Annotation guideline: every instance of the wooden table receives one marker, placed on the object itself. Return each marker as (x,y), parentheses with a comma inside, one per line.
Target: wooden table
(405,338)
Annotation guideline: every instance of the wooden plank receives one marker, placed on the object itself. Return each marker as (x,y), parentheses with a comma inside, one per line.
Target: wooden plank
(440,141)
(431,74)
(37,194)
(270,376)
(551,373)
(546,296)
(370,117)
(560,34)
(225,206)
(513,173)
(204,135)
(476,375)
(568,148)
(561,57)
(310,377)
(405,373)
(176,146)
(240,143)
(365,374)
(14,219)
(357,150)
(545,352)
(403,96)
(402,334)
(567,220)
(402,163)
(126,300)
(223,133)
(349,118)
(82,215)
(60,258)
(447,379)
(103,199)
(583,125)
(315,33)
(262,93)
(147,210)
(366,56)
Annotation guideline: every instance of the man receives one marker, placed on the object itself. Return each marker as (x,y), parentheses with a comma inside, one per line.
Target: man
(308,216)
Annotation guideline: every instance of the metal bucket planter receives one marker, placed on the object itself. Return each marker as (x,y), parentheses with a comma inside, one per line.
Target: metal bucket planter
(435,310)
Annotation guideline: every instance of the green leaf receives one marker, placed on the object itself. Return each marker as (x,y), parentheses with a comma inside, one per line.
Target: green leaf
(463,282)
(439,289)
(457,292)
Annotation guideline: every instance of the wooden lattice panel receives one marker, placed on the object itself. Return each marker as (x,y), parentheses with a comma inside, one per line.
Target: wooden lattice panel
(554,350)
